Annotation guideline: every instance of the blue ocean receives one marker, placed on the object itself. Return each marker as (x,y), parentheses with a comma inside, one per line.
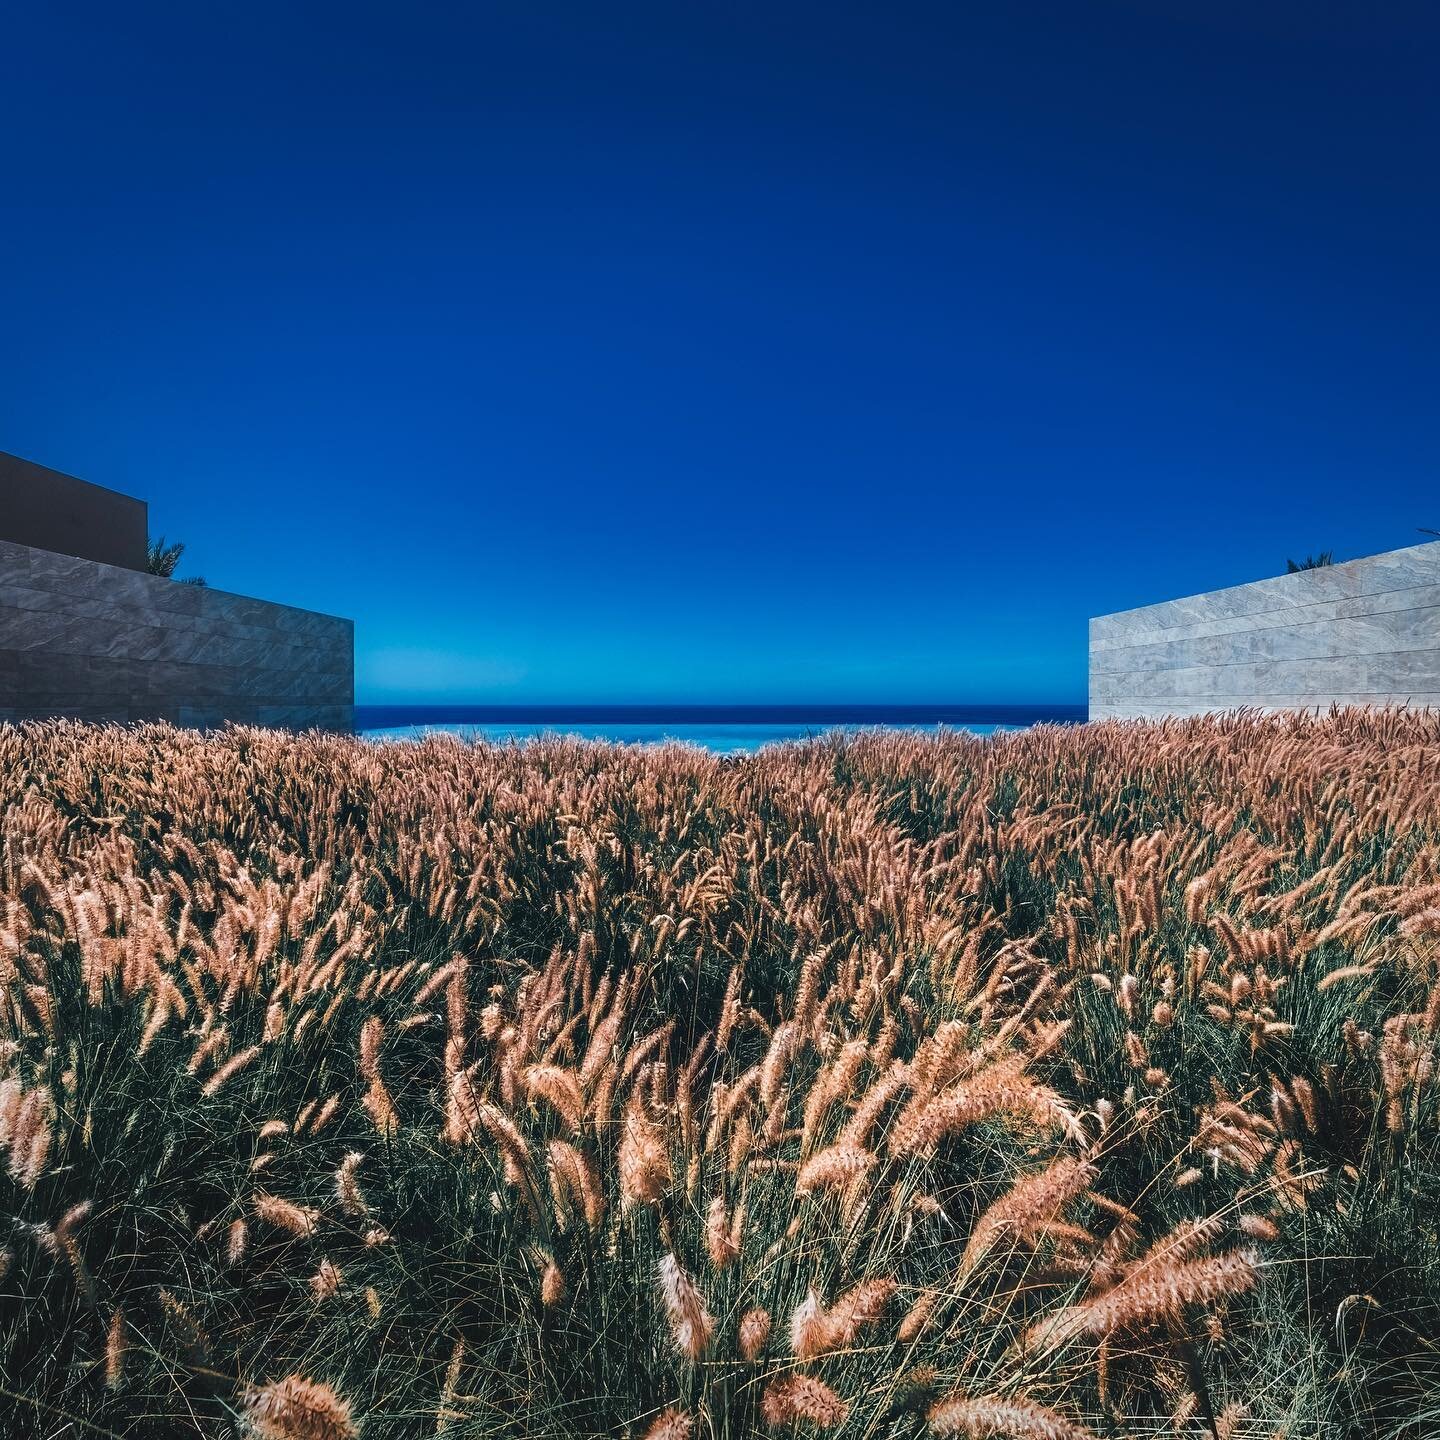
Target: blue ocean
(724,729)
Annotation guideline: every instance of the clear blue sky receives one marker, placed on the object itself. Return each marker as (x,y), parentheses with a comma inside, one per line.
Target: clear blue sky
(729,352)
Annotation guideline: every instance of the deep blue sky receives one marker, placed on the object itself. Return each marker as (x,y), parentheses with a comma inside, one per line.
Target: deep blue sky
(729,352)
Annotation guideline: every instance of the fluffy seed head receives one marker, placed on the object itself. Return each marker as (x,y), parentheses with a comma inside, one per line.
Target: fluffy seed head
(798,1397)
(671,1424)
(297,1409)
(690,1322)
(754,1332)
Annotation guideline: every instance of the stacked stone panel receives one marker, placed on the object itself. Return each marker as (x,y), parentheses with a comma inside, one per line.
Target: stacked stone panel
(101,642)
(1363,633)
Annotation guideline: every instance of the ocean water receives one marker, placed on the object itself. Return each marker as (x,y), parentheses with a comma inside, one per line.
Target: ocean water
(723,729)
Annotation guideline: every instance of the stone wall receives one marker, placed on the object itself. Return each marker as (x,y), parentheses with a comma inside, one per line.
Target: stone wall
(1365,633)
(100,642)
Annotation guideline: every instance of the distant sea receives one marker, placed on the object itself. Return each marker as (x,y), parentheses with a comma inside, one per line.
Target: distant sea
(724,729)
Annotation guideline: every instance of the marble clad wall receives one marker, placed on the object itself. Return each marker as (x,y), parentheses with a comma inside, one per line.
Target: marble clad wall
(1366,633)
(100,642)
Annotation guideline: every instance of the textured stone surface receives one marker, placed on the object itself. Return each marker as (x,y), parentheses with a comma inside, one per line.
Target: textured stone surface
(1366,633)
(99,642)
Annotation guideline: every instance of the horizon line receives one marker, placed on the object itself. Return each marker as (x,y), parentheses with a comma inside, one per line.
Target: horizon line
(802,707)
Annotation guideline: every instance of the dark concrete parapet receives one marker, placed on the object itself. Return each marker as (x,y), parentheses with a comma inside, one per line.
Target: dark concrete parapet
(1366,632)
(42,507)
(100,642)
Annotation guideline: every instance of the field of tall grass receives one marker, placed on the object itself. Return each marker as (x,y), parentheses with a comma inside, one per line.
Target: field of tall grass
(1074,1082)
